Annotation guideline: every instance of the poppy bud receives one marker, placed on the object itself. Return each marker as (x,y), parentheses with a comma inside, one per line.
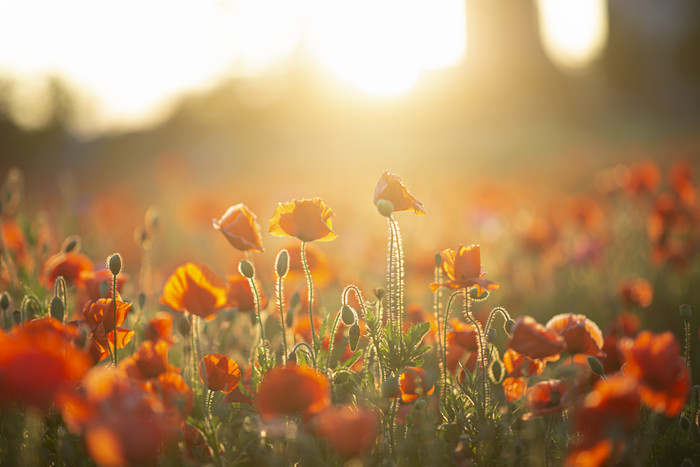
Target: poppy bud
(379,292)
(292,357)
(4,301)
(183,325)
(294,300)
(104,288)
(419,404)
(509,326)
(71,243)
(390,387)
(246,269)
(686,311)
(348,315)
(115,264)
(385,207)
(141,300)
(595,365)
(17,316)
(354,336)
(289,319)
(282,263)
(57,308)
(438,259)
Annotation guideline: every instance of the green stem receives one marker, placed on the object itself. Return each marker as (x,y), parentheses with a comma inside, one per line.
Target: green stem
(114,308)
(331,339)
(498,310)
(280,305)
(207,399)
(256,297)
(444,334)
(194,343)
(310,287)
(306,347)
(686,325)
(482,358)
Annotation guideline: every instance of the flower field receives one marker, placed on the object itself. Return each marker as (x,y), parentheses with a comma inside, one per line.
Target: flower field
(560,330)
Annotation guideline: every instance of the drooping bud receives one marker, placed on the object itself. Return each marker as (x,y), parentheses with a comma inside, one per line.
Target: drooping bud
(292,357)
(282,263)
(385,207)
(595,365)
(685,311)
(246,269)
(379,292)
(4,301)
(347,314)
(354,336)
(509,325)
(57,308)
(115,264)
(71,243)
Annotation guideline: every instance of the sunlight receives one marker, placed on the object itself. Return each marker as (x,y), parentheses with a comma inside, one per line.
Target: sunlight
(573,32)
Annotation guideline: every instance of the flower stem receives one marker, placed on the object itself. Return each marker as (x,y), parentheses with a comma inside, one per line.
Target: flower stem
(280,305)
(482,358)
(310,286)
(114,308)
(256,297)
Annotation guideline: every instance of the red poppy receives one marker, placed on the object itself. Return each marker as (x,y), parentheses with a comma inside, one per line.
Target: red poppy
(549,396)
(195,288)
(463,269)
(636,292)
(664,379)
(680,176)
(38,362)
(530,338)
(240,296)
(463,334)
(293,390)
(160,327)
(99,318)
(350,431)
(517,365)
(239,227)
(581,335)
(644,178)
(219,373)
(306,219)
(177,397)
(391,189)
(69,265)
(149,361)
(514,388)
(413,383)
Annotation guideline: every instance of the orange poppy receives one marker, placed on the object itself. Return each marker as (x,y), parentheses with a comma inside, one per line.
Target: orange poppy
(99,317)
(664,380)
(160,327)
(391,189)
(149,361)
(581,335)
(239,227)
(514,388)
(530,338)
(293,389)
(92,279)
(195,288)
(463,334)
(177,397)
(644,178)
(350,431)
(38,362)
(240,296)
(219,373)
(306,219)
(517,365)
(463,269)
(13,239)
(636,292)
(680,177)
(413,383)
(69,265)
(549,396)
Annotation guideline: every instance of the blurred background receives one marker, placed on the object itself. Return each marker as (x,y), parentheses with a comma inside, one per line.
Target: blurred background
(500,116)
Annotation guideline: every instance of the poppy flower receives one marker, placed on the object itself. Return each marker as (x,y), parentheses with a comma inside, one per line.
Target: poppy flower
(13,239)
(68,265)
(176,395)
(391,189)
(306,219)
(463,334)
(160,327)
(149,361)
(38,362)
(239,227)
(514,388)
(219,373)
(581,335)
(681,181)
(636,292)
(293,390)
(463,269)
(92,279)
(413,383)
(664,379)
(530,338)
(99,318)
(517,365)
(644,178)
(351,432)
(549,396)
(240,296)
(195,288)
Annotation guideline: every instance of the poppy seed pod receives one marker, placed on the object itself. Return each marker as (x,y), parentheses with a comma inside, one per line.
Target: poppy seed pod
(4,301)
(385,207)
(282,263)
(246,269)
(685,311)
(348,315)
(57,308)
(354,336)
(115,264)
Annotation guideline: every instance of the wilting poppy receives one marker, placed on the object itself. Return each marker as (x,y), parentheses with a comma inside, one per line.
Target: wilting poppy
(636,292)
(549,396)
(293,390)
(581,335)
(606,419)
(196,289)
(463,269)
(240,296)
(38,361)
(349,431)
(219,373)
(656,363)
(69,265)
(530,338)
(391,189)
(306,219)
(413,383)
(239,227)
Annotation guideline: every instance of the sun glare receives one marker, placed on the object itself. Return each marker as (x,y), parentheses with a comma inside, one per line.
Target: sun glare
(573,32)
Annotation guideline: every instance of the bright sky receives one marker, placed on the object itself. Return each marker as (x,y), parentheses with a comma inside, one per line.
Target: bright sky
(130,56)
